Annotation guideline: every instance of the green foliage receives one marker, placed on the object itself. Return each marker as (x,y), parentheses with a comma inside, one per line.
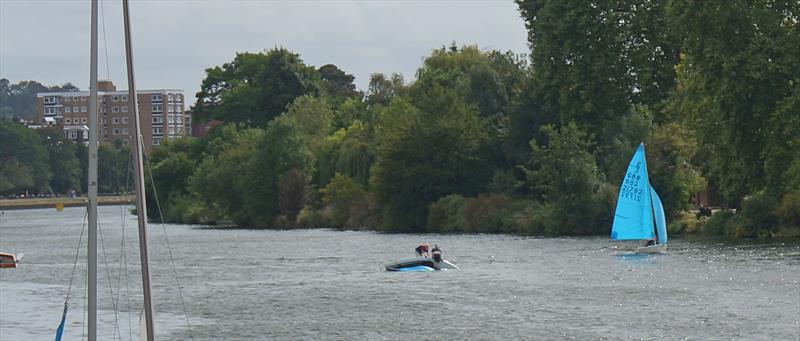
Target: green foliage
(737,89)
(669,151)
(337,84)
(563,175)
(255,87)
(347,201)
(425,152)
(19,100)
(24,160)
(63,160)
(114,168)
(294,192)
(446,215)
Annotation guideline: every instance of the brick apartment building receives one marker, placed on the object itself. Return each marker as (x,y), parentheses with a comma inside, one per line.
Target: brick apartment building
(162,114)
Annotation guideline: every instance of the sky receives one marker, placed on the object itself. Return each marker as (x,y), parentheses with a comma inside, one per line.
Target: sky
(174,41)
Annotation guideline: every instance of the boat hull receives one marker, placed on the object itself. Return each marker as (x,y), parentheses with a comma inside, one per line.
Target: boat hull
(8,260)
(418,264)
(658,249)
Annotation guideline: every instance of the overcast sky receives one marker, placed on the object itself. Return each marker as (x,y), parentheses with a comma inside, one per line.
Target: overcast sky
(175,41)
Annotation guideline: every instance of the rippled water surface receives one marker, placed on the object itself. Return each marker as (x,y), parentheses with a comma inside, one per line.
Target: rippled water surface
(324,284)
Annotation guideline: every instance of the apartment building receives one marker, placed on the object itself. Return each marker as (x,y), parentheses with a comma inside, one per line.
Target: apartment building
(162,114)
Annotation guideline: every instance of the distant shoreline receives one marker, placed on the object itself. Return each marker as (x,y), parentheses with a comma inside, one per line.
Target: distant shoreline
(21,204)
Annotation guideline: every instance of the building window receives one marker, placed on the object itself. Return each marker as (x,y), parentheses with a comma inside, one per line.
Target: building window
(66,99)
(115,131)
(105,131)
(157,108)
(156,142)
(83,98)
(124,131)
(74,109)
(115,120)
(156,98)
(114,98)
(170,119)
(49,100)
(85,134)
(83,109)
(73,134)
(177,119)
(67,109)
(171,108)
(68,120)
(158,130)
(115,109)
(75,98)
(124,108)
(171,131)
(84,120)
(50,111)
(158,119)
(125,120)
(124,98)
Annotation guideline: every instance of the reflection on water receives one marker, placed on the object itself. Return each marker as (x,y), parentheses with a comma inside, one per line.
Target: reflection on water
(323,284)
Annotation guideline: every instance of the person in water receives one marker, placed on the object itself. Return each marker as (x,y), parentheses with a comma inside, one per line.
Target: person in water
(422,250)
(436,252)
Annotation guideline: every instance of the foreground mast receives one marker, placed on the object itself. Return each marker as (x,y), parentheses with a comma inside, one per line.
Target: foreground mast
(141,204)
(92,182)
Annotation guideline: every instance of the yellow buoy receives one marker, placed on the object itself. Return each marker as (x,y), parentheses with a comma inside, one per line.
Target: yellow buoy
(59,207)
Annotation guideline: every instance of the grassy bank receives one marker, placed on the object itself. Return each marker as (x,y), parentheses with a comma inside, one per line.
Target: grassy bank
(13,204)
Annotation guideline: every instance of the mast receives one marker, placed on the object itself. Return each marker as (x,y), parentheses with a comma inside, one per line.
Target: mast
(141,204)
(92,181)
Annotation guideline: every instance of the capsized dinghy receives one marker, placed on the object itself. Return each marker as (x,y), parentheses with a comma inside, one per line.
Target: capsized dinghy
(419,264)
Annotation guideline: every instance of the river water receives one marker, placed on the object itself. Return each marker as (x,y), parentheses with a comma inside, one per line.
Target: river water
(324,284)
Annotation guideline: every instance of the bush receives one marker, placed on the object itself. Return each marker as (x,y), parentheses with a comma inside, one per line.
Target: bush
(488,214)
(447,214)
(347,200)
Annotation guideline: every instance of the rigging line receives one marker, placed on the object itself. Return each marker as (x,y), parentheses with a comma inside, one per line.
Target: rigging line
(108,276)
(105,43)
(166,238)
(124,256)
(77,252)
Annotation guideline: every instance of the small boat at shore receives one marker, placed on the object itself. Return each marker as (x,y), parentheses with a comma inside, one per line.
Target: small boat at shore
(8,260)
(419,264)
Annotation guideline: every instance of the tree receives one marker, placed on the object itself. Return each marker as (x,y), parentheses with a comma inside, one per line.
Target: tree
(20,99)
(426,152)
(737,90)
(591,64)
(64,163)
(24,159)
(255,87)
(337,84)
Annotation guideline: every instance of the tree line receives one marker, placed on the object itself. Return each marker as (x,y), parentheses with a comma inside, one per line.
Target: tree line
(490,141)
(43,162)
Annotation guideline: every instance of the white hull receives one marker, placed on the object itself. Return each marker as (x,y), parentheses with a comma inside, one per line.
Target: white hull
(444,265)
(658,248)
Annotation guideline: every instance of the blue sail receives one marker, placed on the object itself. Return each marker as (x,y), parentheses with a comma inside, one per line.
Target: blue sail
(60,330)
(633,218)
(661,219)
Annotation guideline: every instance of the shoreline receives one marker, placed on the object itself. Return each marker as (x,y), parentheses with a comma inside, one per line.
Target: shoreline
(22,204)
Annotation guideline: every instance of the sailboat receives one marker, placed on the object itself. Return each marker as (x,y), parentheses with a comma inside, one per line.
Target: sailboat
(141,207)
(639,214)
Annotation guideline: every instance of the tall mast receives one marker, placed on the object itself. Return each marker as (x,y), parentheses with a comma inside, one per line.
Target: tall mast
(92,181)
(141,204)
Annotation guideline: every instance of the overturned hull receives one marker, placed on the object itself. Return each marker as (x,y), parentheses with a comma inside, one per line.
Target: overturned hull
(419,264)
(8,260)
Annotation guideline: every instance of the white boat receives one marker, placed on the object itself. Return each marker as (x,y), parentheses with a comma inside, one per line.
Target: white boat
(639,214)
(8,260)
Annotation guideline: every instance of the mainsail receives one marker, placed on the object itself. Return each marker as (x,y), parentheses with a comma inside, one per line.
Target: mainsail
(633,218)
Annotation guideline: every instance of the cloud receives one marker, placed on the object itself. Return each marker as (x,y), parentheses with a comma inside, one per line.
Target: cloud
(175,41)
